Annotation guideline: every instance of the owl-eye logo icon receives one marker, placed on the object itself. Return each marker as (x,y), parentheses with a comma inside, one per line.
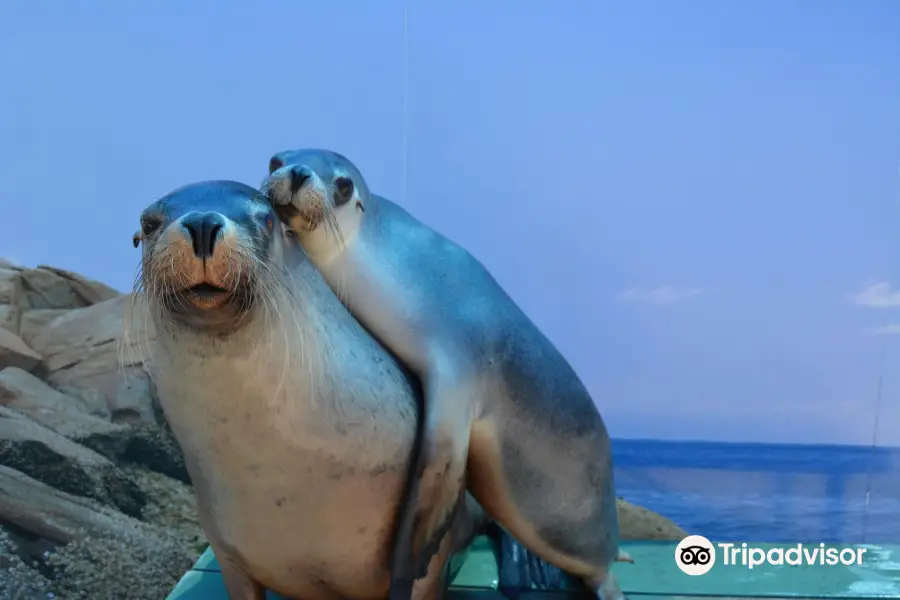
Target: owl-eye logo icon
(695,555)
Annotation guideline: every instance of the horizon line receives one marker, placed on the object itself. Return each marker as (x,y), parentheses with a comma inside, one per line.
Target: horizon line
(734,442)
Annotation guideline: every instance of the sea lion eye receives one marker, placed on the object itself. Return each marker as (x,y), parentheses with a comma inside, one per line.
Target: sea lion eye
(149,225)
(344,187)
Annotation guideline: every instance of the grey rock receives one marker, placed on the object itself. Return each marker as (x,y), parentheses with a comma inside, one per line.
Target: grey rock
(10,318)
(46,289)
(101,348)
(68,415)
(67,466)
(149,446)
(33,321)
(88,290)
(48,512)
(16,353)
(11,291)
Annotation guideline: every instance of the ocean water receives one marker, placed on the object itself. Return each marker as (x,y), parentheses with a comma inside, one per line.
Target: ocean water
(766,492)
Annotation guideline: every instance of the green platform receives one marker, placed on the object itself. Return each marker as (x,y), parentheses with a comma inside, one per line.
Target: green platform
(654,574)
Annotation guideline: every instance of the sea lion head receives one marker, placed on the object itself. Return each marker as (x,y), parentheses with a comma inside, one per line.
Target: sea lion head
(316,192)
(211,254)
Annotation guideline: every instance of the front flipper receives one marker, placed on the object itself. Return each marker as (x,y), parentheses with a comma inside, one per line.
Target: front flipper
(437,484)
(237,584)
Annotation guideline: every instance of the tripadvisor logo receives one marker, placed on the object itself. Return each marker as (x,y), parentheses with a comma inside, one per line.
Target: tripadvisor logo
(696,555)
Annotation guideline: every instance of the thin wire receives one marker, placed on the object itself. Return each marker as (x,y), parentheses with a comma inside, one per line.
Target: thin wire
(874,448)
(405,101)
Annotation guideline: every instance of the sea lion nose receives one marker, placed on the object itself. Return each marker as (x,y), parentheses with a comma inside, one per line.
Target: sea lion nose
(204,229)
(299,176)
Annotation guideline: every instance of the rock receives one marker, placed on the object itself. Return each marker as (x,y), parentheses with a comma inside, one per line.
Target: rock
(47,512)
(88,290)
(136,565)
(32,322)
(54,460)
(50,288)
(101,553)
(19,580)
(47,287)
(637,523)
(148,446)
(15,353)
(31,548)
(67,416)
(94,401)
(82,350)
(11,291)
(50,513)
(170,504)
(10,318)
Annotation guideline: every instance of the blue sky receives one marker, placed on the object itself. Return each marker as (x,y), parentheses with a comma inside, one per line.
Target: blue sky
(697,201)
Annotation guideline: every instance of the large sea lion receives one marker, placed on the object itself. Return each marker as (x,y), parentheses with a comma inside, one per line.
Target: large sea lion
(296,426)
(500,399)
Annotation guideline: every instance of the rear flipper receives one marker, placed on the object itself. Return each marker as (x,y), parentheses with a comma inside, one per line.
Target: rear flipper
(608,589)
(521,571)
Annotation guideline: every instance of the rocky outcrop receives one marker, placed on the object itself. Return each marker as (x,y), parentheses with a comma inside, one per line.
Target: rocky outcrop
(638,523)
(94,496)
(95,500)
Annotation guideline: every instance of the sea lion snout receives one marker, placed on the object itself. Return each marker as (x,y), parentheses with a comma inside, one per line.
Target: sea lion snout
(202,256)
(204,230)
(288,180)
(298,175)
(298,195)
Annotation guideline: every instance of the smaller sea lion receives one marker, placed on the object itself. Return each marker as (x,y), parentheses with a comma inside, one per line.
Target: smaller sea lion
(501,402)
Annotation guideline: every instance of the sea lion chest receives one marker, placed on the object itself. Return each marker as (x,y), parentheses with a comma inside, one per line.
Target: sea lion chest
(290,478)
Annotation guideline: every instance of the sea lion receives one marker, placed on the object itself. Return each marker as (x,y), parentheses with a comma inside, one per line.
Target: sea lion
(296,426)
(499,397)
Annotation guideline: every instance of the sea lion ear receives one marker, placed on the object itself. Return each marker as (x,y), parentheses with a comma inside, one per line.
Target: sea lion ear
(136,239)
(275,163)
